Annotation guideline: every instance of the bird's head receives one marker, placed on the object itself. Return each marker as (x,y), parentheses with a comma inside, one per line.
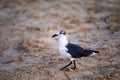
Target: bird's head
(59,33)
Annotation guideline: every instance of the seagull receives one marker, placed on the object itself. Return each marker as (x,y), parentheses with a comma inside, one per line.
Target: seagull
(71,51)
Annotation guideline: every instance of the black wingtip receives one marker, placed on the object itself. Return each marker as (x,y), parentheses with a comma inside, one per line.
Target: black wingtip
(96,51)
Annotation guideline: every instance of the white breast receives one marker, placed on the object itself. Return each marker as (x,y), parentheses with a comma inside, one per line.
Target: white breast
(64,53)
(62,46)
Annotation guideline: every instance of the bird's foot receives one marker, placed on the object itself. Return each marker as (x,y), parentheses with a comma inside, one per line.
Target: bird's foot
(61,68)
(73,68)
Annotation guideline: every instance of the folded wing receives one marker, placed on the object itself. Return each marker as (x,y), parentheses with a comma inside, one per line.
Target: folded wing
(77,51)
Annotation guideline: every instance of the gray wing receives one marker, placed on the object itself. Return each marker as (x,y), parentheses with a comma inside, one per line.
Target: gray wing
(77,51)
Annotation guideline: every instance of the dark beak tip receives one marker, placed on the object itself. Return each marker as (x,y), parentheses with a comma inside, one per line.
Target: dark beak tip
(53,36)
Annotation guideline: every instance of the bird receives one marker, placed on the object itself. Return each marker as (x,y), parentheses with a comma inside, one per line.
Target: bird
(70,50)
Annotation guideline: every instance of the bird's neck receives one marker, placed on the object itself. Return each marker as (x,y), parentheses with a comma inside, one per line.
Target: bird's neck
(63,40)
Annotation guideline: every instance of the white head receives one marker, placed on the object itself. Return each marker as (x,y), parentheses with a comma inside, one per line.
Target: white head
(62,37)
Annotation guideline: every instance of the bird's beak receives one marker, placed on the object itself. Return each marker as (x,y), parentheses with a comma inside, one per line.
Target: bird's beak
(54,35)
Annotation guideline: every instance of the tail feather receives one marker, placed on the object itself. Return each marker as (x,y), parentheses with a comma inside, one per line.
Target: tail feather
(89,52)
(95,52)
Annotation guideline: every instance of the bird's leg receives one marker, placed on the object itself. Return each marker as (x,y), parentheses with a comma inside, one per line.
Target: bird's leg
(73,60)
(74,64)
(66,65)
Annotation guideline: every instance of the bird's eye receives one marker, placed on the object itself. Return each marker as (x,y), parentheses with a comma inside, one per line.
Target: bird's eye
(62,32)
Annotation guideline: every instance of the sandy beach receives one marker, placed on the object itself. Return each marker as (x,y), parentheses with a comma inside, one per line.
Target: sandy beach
(28,51)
